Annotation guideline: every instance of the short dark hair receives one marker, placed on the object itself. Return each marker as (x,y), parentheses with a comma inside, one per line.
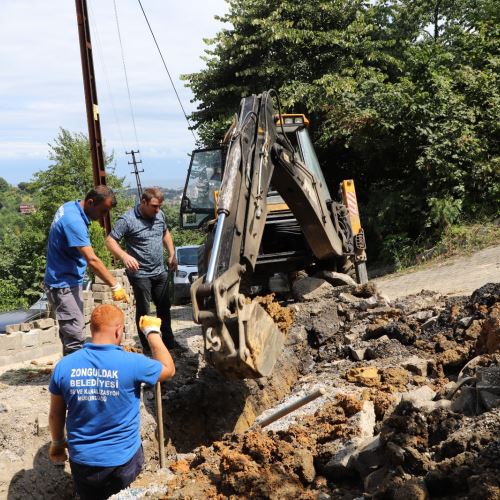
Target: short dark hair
(153,192)
(100,193)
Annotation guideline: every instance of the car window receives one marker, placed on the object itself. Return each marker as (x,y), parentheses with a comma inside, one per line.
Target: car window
(187,256)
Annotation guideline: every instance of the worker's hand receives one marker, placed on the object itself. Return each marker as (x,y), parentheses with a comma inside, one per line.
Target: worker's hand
(172,263)
(119,293)
(150,324)
(130,263)
(57,452)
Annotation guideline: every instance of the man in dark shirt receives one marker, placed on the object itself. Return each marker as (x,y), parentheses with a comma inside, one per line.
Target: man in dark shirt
(145,232)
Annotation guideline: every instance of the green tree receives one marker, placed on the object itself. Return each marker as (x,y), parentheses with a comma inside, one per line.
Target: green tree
(403,96)
(68,177)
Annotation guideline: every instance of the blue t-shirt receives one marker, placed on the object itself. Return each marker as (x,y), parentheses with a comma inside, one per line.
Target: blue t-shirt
(100,385)
(143,239)
(65,264)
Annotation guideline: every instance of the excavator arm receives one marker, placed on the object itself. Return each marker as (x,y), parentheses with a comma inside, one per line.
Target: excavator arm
(241,338)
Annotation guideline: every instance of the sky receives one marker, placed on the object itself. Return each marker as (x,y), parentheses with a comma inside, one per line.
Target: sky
(41,86)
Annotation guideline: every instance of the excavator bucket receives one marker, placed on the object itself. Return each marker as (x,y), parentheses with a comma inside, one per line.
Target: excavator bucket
(241,338)
(257,343)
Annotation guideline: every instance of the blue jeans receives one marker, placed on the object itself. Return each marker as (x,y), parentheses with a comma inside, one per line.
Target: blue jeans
(99,483)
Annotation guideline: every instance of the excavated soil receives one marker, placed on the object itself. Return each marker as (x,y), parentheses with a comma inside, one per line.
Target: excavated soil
(410,408)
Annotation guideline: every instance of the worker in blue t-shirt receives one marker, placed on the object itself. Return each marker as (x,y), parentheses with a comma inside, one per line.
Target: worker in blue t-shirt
(99,387)
(69,251)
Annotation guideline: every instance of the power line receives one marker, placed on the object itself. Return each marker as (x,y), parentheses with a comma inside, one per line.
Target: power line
(168,72)
(125,73)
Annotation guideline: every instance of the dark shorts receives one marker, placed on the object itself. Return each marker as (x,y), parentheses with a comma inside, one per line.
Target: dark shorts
(96,483)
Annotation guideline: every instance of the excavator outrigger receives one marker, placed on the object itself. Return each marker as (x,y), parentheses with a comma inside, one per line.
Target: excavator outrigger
(274,214)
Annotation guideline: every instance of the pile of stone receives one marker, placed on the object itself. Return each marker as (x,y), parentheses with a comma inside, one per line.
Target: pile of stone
(101,294)
(25,341)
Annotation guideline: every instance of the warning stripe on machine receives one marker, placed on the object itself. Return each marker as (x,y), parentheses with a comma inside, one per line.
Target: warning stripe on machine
(352,204)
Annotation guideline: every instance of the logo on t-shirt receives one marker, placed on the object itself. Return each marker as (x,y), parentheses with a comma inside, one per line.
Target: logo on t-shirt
(94,384)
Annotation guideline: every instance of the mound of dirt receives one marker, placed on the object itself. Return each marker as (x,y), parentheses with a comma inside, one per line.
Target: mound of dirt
(411,406)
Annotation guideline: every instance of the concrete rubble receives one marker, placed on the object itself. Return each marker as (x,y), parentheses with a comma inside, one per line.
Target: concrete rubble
(411,406)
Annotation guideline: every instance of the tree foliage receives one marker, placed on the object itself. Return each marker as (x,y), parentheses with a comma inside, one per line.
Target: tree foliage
(68,177)
(403,96)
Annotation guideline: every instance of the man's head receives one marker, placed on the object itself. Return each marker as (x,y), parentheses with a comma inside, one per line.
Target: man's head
(151,201)
(106,324)
(98,202)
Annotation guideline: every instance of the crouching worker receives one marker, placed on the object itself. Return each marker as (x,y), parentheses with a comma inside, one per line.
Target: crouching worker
(99,388)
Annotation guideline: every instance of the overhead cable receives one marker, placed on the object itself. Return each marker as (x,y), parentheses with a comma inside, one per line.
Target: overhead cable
(100,52)
(125,73)
(168,72)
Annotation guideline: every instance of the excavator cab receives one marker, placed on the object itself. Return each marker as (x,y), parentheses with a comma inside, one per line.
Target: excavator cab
(269,211)
(203,181)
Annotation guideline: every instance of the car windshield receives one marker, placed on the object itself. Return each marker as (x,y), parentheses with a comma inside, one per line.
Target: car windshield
(187,256)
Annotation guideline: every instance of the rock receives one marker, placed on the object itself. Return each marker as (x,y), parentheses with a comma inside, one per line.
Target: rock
(419,396)
(368,303)
(25,327)
(422,315)
(44,323)
(304,465)
(370,454)
(335,279)
(377,480)
(3,408)
(416,365)
(12,328)
(308,289)
(42,424)
(429,323)
(489,338)
(324,327)
(366,375)
(348,298)
(357,354)
(413,489)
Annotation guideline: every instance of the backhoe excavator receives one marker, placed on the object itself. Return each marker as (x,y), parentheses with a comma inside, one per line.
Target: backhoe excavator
(274,216)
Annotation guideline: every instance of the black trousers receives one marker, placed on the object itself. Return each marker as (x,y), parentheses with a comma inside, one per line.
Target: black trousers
(99,483)
(154,289)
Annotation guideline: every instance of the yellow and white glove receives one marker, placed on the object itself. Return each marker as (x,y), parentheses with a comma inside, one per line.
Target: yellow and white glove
(150,324)
(119,293)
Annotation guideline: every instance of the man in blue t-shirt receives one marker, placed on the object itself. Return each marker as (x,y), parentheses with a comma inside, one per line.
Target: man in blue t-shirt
(99,387)
(69,252)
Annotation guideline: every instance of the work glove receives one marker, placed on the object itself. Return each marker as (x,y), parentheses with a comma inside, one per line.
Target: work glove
(119,293)
(150,324)
(57,452)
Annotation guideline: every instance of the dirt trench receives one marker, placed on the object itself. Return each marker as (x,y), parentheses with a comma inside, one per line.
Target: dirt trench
(388,425)
(391,424)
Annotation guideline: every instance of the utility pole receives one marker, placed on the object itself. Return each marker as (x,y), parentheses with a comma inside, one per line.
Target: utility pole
(89,85)
(136,171)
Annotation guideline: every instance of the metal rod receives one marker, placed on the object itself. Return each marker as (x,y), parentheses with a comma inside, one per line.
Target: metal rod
(214,256)
(291,407)
(159,421)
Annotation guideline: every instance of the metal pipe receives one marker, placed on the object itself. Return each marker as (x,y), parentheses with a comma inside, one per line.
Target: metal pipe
(291,407)
(214,256)
(159,421)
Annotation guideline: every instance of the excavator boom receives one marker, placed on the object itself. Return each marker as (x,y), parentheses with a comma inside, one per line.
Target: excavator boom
(241,338)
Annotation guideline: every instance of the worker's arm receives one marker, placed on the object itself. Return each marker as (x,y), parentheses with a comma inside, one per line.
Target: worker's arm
(151,327)
(96,264)
(168,243)
(57,419)
(160,352)
(128,261)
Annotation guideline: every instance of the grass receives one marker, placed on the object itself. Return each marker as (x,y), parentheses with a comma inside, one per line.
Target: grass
(457,239)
